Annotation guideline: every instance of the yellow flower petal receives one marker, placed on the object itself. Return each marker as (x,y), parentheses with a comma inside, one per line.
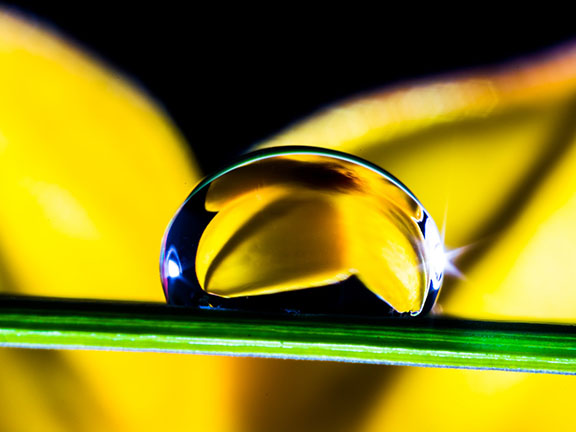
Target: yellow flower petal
(494,152)
(91,171)
(84,158)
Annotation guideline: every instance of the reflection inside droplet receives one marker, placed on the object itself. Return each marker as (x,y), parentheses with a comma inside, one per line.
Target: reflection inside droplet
(301,229)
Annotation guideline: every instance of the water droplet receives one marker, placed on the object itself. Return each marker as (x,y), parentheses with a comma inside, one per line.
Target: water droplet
(307,230)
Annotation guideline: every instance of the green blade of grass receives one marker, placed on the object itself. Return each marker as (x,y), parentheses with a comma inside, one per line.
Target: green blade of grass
(433,341)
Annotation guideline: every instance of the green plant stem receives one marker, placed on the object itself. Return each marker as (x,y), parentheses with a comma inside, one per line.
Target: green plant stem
(69,324)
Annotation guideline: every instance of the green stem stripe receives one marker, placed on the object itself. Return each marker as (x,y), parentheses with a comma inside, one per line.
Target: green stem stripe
(441,342)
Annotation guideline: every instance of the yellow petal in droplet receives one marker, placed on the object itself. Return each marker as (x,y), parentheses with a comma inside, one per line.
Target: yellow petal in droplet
(282,238)
(384,250)
(273,240)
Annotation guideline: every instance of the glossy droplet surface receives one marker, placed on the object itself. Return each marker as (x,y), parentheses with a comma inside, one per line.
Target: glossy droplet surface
(306,230)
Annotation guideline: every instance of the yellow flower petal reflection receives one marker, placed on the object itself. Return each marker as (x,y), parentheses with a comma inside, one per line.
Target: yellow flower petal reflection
(273,242)
(297,219)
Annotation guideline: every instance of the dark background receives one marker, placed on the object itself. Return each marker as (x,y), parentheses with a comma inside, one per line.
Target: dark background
(230,77)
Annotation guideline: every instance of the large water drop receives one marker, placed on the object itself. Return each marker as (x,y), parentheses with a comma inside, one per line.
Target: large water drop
(306,230)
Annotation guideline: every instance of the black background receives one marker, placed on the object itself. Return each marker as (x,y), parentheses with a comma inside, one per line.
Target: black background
(231,76)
